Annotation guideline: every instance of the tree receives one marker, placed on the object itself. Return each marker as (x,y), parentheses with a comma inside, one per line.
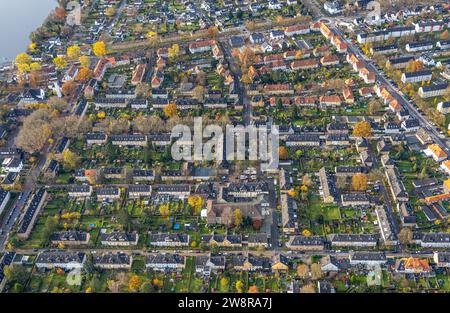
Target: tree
(134,283)
(56,103)
(35,132)
(212,32)
(164,209)
(32,47)
(151,35)
(73,53)
(224,282)
(414,66)
(316,271)
(239,286)
(69,88)
(23,58)
(170,110)
(60,62)
(362,129)
(99,48)
(303,271)
(35,66)
(292,193)
(85,61)
(283,153)
(110,11)
(253,289)
(173,52)
(198,93)
(237,217)
(83,74)
(143,90)
(359,182)
(71,159)
(15,273)
(445,35)
(306,180)
(374,106)
(405,236)
(196,202)
(308,289)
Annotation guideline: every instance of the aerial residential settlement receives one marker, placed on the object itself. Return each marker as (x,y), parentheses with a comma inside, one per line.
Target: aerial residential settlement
(359,198)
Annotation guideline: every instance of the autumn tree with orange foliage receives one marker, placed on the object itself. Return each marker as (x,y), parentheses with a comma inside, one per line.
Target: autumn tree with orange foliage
(359,182)
(69,88)
(170,110)
(134,283)
(253,289)
(83,74)
(362,129)
(283,153)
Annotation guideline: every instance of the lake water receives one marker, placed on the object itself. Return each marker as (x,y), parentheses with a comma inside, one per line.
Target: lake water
(18,18)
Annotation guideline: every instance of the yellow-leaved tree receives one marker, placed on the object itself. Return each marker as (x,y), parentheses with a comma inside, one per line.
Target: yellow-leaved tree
(170,110)
(73,53)
(60,62)
(99,48)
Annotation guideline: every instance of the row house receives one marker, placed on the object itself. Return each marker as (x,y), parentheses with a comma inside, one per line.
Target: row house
(337,140)
(226,241)
(367,75)
(210,264)
(119,238)
(354,240)
(169,240)
(108,193)
(32,210)
(429,26)
(274,89)
(386,49)
(79,191)
(66,260)
(178,190)
(295,30)
(138,74)
(297,140)
(368,258)
(330,101)
(329,60)
(400,62)
(327,185)
(355,199)
(396,186)
(110,103)
(139,104)
(416,77)
(443,107)
(165,262)
(304,64)
(436,152)
(288,214)
(70,237)
(436,90)
(129,140)
(113,261)
(96,138)
(348,95)
(139,191)
(201,46)
(140,175)
(419,46)
(306,243)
